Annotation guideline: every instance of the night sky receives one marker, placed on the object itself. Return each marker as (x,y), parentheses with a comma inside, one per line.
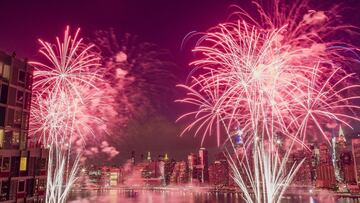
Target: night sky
(163,22)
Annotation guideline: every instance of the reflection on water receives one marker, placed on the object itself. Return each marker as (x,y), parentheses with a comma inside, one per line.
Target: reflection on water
(145,196)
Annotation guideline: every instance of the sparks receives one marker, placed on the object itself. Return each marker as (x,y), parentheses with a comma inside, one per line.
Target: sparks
(280,76)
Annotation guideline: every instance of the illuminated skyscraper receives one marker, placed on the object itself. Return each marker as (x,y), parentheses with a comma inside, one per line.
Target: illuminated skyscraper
(325,174)
(204,165)
(193,170)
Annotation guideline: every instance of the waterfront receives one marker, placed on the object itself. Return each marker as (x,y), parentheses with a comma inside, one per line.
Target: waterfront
(147,196)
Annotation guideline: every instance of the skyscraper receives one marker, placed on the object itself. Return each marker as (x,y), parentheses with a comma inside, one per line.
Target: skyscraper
(193,170)
(325,174)
(204,165)
(219,172)
(355,146)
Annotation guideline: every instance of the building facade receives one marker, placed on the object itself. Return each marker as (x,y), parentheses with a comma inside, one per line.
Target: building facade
(219,173)
(325,173)
(22,168)
(355,148)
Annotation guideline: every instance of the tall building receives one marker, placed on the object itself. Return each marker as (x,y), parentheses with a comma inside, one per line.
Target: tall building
(169,168)
(22,167)
(347,167)
(180,173)
(355,146)
(193,170)
(325,173)
(304,174)
(204,165)
(219,172)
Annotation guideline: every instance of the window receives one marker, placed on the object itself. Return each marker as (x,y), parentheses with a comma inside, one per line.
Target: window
(23,140)
(4,93)
(4,190)
(15,138)
(28,80)
(19,96)
(30,188)
(2,116)
(2,135)
(41,184)
(43,163)
(17,118)
(10,117)
(21,187)
(23,162)
(6,71)
(5,164)
(22,76)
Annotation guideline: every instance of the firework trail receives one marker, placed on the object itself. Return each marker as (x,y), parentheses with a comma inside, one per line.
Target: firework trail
(63,89)
(282,76)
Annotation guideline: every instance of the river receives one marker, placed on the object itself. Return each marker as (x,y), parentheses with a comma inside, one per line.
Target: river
(147,196)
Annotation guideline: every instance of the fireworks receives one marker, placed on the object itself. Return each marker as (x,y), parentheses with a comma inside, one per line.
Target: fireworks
(60,88)
(137,71)
(59,117)
(258,78)
(281,76)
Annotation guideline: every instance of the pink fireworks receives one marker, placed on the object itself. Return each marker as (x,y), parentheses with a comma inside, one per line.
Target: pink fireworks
(61,90)
(281,76)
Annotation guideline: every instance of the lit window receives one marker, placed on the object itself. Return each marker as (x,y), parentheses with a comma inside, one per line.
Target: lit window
(23,162)
(6,72)
(2,134)
(16,137)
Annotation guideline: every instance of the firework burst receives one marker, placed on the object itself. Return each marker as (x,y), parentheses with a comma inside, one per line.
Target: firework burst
(280,76)
(59,115)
